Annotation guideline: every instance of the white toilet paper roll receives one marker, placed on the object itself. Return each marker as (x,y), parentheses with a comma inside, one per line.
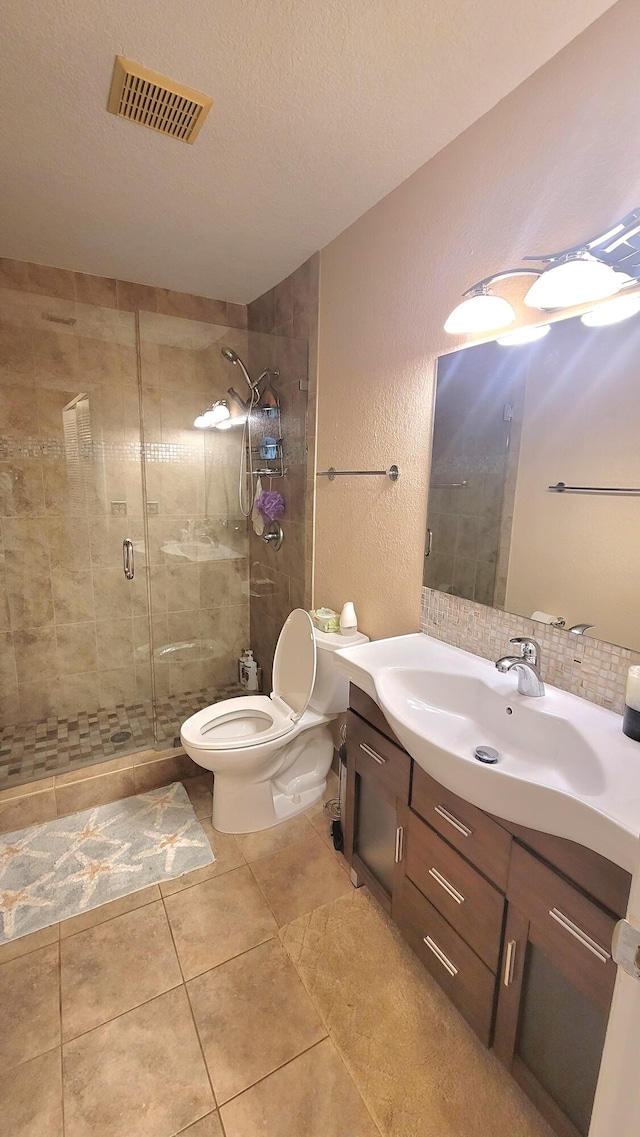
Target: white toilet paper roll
(547,618)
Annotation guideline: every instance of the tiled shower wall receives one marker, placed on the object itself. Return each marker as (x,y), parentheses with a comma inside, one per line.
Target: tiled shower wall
(283,580)
(67,643)
(590,668)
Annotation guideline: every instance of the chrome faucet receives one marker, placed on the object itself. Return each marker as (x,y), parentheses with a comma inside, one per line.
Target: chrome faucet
(527,665)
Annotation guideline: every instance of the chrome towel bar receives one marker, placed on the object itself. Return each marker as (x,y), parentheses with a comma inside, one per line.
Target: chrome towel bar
(561,487)
(392,472)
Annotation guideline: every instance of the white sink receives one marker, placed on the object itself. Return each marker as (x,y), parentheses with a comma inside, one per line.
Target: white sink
(199,551)
(564,766)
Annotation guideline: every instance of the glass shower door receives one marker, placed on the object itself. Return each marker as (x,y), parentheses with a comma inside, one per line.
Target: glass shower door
(196,537)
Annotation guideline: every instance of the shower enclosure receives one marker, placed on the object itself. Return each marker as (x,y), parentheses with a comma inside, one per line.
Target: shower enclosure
(126,572)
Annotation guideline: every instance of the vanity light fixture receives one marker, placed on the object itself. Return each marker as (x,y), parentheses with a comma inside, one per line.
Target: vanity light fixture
(217,413)
(594,270)
(227,423)
(482,311)
(574,279)
(620,308)
(528,334)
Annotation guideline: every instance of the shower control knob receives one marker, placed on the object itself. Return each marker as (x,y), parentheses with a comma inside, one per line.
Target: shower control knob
(273,535)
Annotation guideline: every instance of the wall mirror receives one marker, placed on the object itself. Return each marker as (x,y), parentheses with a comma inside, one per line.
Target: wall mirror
(514,424)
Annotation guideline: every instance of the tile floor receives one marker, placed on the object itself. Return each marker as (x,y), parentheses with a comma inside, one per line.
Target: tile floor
(29,751)
(255,997)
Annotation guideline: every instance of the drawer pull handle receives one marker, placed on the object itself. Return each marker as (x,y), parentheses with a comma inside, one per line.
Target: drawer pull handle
(399,843)
(372,754)
(509,963)
(444,883)
(466,832)
(579,935)
(440,956)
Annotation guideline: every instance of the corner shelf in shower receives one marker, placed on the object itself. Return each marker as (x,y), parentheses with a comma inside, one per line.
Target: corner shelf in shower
(269,427)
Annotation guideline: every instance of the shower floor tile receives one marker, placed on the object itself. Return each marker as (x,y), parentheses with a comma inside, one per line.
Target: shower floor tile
(29,751)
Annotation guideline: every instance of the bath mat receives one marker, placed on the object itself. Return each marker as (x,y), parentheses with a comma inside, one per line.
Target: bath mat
(52,871)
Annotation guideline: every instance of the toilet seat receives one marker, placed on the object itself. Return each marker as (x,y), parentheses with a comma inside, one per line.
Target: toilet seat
(236,724)
(252,720)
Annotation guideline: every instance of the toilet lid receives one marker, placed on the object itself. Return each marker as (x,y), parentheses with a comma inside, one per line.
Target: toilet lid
(294,662)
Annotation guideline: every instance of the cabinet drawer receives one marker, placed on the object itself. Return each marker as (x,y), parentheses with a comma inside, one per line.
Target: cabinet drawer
(573,931)
(462,975)
(479,839)
(374,756)
(473,906)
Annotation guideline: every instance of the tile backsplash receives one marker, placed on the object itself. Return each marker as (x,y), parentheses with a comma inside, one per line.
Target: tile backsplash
(590,668)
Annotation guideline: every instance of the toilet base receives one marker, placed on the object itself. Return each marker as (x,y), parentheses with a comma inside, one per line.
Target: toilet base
(241,805)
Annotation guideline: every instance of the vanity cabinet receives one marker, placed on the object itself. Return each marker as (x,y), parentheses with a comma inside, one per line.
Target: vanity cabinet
(514,925)
(378,780)
(555,992)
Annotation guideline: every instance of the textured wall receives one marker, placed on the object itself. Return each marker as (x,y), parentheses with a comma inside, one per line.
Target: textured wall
(548,166)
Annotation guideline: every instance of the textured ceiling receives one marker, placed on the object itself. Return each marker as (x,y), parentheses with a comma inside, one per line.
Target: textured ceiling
(320,108)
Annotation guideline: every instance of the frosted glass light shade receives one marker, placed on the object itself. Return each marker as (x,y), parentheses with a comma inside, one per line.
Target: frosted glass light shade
(218,413)
(200,422)
(524,335)
(612,312)
(480,313)
(577,280)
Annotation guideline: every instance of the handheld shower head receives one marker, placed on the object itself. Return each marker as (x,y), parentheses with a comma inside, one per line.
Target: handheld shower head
(234,358)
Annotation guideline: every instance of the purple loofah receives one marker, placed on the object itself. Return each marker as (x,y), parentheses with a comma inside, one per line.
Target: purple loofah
(271,504)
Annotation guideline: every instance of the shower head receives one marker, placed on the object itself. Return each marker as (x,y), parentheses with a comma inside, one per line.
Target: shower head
(234,358)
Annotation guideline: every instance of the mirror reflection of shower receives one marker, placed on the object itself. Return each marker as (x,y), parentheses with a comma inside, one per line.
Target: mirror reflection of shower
(76,425)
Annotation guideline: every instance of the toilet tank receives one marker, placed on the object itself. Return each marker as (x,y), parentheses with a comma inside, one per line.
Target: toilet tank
(330,693)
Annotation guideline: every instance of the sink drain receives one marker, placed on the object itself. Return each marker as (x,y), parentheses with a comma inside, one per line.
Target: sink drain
(121,736)
(486,754)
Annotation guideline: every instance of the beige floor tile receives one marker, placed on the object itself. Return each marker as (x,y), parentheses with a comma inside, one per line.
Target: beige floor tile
(300,878)
(208,1126)
(253,1015)
(268,841)
(200,793)
(372,990)
(320,822)
(214,921)
(115,966)
(31,1098)
(29,1006)
(227,855)
(313,1096)
(32,942)
(107,911)
(140,1075)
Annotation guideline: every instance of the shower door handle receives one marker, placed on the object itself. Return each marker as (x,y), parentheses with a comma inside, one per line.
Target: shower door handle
(127,558)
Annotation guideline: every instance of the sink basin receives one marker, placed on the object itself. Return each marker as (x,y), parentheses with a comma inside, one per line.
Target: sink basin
(564,766)
(199,551)
(459,713)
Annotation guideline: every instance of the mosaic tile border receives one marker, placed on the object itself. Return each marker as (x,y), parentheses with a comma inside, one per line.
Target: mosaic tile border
(37,750)
(593,669)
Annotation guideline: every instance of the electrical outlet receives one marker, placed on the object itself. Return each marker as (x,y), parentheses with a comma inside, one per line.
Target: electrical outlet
(153,508)
(119,508)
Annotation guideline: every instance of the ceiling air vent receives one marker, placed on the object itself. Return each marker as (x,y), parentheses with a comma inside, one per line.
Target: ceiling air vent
(153,100)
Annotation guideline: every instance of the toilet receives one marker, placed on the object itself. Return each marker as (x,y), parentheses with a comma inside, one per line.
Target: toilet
(271,755)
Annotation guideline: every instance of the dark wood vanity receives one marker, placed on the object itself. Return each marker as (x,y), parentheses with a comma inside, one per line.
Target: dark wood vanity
(514,925)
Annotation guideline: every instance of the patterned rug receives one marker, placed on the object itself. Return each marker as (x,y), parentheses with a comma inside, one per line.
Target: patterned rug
(52,871)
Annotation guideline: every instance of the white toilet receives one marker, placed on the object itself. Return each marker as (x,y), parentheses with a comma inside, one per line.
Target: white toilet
(271,756)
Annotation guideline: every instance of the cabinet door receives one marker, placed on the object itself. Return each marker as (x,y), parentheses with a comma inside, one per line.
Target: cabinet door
(554,995)
(378,775)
